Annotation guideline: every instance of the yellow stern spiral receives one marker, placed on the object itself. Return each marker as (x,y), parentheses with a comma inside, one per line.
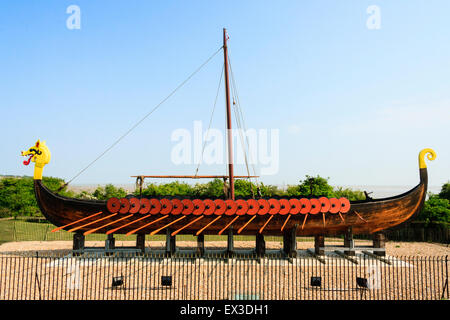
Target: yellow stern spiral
(431,155)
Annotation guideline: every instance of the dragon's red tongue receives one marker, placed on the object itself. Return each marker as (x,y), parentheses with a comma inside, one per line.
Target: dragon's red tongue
(27,162)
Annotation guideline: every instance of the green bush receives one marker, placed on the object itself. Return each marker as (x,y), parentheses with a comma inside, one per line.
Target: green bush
(17,195)
(435,209)
(168,189)
(350,194)
(319,187)
(211,189)
(104,193)
(315,187)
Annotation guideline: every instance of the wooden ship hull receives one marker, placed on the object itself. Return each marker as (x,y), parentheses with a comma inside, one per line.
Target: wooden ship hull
(364,217)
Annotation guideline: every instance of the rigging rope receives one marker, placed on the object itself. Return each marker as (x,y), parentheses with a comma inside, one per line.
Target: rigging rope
(145,117)
(241,124)
(210,120)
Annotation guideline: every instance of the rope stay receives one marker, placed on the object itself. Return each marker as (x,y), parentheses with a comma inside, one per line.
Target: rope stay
(241,125)
(144,117)
(210,121)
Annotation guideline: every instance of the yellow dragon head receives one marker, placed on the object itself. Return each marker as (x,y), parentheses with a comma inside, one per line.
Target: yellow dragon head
(40,155)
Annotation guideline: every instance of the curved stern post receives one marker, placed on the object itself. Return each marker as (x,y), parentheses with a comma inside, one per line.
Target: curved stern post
(423,172)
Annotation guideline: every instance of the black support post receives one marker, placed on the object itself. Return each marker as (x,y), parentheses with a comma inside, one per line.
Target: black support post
(140,242)
(348,242)
(290,242)
(379,242)
(260,245)
(170,243)
(319,242)
(201,244)
(78,241)
(110,244)
(230,244)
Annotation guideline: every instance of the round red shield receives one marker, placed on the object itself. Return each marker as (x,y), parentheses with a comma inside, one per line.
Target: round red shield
(155,207)
(188,206)
(253,207)
(315,206)
(285,206)
(263,207)
(177,206)
(325,204)
(345,205)
(242,207)
(231,207)
(199,207)
(124,205)
(145,206)
(305,206)
(295,206)
(135,205)
(335,205)
(166,206)
(220,207)
(113,205)
(274,206)
(210,206)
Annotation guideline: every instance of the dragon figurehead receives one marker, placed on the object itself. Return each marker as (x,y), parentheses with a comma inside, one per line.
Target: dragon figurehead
(40,155)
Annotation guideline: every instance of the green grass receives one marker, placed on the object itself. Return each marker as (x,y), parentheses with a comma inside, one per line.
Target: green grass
(6,230)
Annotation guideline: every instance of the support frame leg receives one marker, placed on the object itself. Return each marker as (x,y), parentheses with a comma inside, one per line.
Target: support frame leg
(260,245)
(349,243)
(230,243)
(379,242)
(201,245)
(319,244)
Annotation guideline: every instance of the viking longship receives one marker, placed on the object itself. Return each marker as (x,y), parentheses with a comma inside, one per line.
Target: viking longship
(307,216)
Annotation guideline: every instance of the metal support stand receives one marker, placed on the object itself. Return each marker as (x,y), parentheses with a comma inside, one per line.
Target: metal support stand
(260,245)
(110,243)
(319,244)
(140,242)
(78,241)
(201,245)
(110,248)
(290,242)
(170,243)
(230,244)
(349,243)
(379,241)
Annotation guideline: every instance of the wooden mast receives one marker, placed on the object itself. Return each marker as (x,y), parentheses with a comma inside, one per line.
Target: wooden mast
(229,132)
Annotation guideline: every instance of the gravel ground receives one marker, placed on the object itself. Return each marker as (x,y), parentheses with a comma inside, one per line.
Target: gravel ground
(414,271)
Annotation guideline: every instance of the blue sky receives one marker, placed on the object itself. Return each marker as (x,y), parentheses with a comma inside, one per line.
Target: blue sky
(353,104)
